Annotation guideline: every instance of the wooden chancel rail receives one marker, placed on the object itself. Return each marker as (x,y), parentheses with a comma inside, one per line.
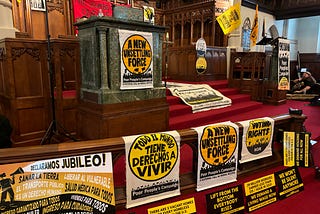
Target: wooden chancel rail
(116,146)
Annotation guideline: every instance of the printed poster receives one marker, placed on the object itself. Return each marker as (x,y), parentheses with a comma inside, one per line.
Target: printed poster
(200,97)
(302,149)
(257,139)
(76,184)
(136,59)
(217,155)
(296,149)
(288,148)
(178,207)
(260,192)
(148,14)
(284,64)
(228,200)
(152,170)
(289,182)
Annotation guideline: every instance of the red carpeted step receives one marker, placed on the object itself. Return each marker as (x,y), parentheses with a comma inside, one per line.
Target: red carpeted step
(237,98)
(178,108)
(172,100)
(229,91)
(212,116)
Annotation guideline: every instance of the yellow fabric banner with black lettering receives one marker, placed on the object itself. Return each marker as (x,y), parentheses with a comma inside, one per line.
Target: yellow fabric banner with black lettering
(152,167)
(257,139)
(254,29)
(217,154)
(230,19)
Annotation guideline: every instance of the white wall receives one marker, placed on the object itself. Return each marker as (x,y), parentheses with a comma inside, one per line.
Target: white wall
(235,37)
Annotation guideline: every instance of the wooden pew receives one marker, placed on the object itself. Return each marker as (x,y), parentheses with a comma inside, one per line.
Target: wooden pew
(117,147)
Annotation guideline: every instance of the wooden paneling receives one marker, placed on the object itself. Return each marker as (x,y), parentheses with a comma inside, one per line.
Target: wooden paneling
(25,89)
(310,61)
(32,23)
(247,71)
(182,64)
(113,120)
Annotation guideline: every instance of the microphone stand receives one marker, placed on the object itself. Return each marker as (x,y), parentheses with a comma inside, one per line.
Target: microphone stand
(53,127)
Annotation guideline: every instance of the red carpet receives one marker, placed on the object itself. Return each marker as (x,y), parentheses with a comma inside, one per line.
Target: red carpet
(241,109)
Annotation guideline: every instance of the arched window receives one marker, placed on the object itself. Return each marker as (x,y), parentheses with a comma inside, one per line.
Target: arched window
(246,30)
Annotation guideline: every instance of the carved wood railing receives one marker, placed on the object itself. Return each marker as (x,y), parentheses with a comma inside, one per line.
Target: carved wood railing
(117,147)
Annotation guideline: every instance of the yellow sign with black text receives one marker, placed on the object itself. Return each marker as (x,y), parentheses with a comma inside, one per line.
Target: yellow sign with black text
(186,206)
(260,192)
(230,19)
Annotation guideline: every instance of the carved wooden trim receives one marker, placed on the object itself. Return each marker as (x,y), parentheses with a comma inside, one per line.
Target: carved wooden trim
(57,5)
(2,53)
(17,52)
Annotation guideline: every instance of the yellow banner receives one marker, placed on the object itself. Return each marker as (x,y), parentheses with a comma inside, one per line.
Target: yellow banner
(288,148)
(230,19)
(255,28)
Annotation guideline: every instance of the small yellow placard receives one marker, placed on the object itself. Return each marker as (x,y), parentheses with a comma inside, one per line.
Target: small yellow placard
(179,207)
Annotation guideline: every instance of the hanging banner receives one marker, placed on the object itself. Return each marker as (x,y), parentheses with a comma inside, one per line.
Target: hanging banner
(256,139)
(90,8)
(230,19)
(76,184)
(226,201)
(217,154)
(289,182)
(136,59)
(152,170)
(260,192)
(220,6)
(255,29)
(283,64)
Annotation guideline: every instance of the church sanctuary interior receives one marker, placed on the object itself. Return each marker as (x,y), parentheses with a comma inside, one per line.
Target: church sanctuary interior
(159,106)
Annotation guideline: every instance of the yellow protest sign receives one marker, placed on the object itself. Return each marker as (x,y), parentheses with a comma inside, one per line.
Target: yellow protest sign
(184,206)
(230,19)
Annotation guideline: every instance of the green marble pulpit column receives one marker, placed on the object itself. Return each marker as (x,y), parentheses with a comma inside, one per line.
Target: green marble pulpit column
(109,110)
(101,57)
